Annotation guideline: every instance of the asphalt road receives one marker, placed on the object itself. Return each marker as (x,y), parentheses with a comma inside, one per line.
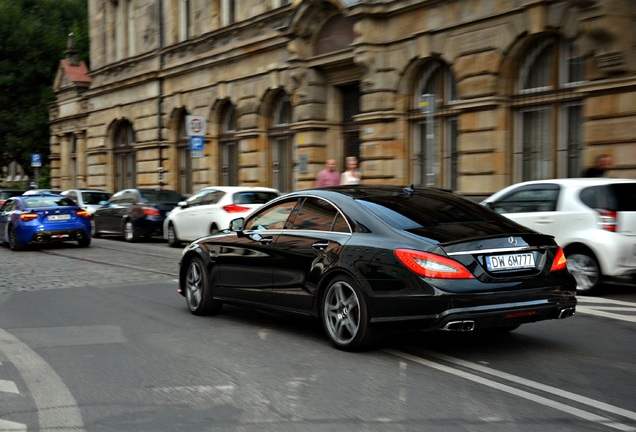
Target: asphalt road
(98,339)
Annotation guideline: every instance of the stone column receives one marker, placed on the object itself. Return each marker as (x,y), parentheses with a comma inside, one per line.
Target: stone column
(65,161)
(54,158)
(80,154)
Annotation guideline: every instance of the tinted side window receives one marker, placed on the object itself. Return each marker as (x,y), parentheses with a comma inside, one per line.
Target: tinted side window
(253,197)
(534,198)
(199,198)
(272,217)
(317,214)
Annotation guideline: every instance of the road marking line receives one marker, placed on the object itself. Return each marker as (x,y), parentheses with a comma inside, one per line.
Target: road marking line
(8,387)
(57,408)
(517,392)
(594,311)
(602,300)
(9,426)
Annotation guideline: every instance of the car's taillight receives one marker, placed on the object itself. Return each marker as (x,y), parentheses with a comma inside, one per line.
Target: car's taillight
(607,219)
(26,217)
(85,214)
(233,208)
(559,262)
(432,265)
(149,211)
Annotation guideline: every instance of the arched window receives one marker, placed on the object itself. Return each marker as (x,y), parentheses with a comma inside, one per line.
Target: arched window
(125,157)
(281,141)
(229,146)
(434,128)
(548,118)
(184,157)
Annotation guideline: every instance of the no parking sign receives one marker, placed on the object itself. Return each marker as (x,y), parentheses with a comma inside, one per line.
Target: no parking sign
(195,125)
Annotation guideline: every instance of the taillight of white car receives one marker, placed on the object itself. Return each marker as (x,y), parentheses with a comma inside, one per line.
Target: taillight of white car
(607,220)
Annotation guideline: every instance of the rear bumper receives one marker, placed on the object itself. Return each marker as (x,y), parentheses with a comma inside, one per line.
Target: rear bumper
(53,236)
(477,312)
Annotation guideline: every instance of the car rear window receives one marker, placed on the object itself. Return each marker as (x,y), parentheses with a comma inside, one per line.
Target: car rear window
(615,197)
(95,198)
(408,212)
(253,197)
(51,201)
(161,196)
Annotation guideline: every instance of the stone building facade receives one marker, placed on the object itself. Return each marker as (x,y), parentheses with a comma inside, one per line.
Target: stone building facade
(470,95)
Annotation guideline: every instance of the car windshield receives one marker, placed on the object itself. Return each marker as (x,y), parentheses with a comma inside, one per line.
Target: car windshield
(253,197)
(421,210)
(161,196)
(48,201)
(94,198)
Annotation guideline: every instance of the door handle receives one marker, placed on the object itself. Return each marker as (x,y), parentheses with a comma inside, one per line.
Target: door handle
(265,240)
(320,245)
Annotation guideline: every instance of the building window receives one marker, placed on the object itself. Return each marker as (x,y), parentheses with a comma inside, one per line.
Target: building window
(548,117)
(184,157)
(280,137)
(350,128)
(434,128)
(229,147)
(228,12)
(184,20)
(125,158)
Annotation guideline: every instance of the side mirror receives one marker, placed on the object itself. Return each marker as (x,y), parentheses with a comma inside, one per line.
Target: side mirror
(236,225)
(183,204)
(103,203)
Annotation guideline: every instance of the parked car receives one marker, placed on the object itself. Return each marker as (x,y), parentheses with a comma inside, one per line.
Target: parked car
(369,259)
(211,209)
(592,219)
(41,191)
(135,213)
(89,199)
(8,193)
(43,218)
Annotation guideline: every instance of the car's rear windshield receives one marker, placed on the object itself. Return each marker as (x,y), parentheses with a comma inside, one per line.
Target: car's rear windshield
(161,196)
(94,198)
(614,197)
(253,197)
(48,201)
(409,212)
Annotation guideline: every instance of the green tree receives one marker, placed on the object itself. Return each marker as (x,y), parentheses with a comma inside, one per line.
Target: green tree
(33,38)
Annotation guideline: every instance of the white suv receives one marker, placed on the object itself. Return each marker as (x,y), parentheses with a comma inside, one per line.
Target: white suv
(592,219)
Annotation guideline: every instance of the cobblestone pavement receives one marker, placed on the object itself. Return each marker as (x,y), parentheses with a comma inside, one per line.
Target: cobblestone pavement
(105,262)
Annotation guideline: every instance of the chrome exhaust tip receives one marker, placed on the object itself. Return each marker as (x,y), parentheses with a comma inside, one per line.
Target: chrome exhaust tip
(567,312)
(461,326)
(39,238)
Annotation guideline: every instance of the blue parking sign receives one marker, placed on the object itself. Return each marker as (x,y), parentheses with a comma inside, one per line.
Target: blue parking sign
(196,143)
(36,160)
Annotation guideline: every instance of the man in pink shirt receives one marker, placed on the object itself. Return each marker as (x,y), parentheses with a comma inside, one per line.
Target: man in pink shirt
(328,176)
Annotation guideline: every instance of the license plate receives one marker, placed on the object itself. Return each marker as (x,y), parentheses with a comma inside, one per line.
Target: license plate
(510,262)
(59,217)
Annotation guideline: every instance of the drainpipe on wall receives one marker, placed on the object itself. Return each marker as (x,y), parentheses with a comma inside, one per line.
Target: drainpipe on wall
(160,169)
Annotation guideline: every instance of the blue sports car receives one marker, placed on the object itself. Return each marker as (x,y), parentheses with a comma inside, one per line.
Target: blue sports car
(43,218)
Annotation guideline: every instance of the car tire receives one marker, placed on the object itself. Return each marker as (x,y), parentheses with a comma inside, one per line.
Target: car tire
(129,231)
(84,241)
(198,292)
(13,241)
(173,239)
(345,316)
(586,270)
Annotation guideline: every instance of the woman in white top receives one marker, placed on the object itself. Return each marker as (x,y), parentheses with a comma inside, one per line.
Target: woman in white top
(352,175)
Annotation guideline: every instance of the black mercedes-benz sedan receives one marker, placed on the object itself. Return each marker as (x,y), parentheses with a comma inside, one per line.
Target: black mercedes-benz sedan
(367,260)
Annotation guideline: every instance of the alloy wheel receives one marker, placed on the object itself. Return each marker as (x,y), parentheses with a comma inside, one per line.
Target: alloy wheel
(341,310)
(194,285)
(585,270)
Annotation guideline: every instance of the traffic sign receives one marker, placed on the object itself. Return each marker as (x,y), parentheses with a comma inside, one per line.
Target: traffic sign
(36,160)
(195,125)
(196,143)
